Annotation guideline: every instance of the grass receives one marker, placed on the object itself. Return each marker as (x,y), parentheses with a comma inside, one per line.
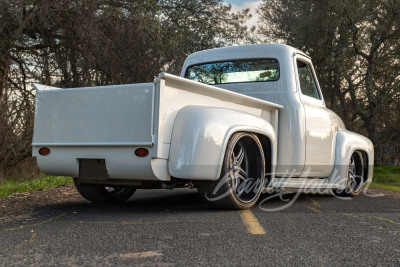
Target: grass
(13,185)
(387,177)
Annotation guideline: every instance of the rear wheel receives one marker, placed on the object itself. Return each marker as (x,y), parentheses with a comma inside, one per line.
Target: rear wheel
(242,175)
(355,176)
(103,194)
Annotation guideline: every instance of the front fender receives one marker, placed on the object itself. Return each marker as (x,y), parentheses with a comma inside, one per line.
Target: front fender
(200,136)
(346,143)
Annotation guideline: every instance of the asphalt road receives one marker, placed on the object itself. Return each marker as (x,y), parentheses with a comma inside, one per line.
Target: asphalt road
(162,227)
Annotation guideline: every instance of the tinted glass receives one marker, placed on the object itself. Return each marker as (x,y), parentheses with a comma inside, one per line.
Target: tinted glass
(306,79)
(260,70)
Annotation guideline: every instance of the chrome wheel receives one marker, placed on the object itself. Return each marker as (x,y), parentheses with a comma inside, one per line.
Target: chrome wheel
(242,175)
(354,175)
(245,181)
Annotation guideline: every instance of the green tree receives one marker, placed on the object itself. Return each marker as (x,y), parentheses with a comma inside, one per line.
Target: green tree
(68,43)
(355,46)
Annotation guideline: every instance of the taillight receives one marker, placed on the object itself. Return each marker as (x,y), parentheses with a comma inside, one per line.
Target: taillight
(44,151)
(141,152)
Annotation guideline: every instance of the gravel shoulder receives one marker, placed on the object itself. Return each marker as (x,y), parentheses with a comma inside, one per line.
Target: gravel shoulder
(23,206)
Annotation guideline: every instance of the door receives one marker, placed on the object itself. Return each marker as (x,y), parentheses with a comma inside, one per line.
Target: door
(319,121)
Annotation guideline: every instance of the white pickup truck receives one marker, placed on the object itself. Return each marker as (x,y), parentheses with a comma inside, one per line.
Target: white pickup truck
(237,121)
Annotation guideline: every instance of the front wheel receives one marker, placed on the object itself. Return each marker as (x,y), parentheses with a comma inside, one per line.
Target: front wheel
(355,176)
(242,175)
(103,194)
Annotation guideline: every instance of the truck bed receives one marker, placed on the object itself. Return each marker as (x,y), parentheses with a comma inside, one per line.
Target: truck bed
(108,123)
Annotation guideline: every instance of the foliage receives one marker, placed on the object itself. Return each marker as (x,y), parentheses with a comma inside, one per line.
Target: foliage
(96,42)
(355,46)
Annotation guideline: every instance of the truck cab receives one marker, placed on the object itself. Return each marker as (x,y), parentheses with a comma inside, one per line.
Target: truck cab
(304,118)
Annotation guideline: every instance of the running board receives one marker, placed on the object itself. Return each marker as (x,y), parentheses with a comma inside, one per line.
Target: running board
(305,183)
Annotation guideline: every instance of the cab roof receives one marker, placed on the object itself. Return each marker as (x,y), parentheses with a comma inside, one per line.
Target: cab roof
(278,51)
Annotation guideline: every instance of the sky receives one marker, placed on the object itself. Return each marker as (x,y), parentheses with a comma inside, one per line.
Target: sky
(242,4)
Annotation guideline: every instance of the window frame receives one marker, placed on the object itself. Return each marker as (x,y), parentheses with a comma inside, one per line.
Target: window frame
(311,67)
(232,60)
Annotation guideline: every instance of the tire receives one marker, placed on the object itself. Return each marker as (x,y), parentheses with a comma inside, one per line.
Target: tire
(103,194)
(242,175)
(355,176)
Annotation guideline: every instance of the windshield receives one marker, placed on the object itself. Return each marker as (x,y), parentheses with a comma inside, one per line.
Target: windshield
(257,70)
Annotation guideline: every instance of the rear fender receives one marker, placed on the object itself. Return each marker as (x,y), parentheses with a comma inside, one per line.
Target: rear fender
(200,136)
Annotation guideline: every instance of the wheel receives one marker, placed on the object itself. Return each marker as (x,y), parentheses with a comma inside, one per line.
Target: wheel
(242,175)
(103,194)
(355,176)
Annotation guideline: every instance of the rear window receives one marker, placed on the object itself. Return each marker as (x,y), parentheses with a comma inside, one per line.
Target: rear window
(256,70)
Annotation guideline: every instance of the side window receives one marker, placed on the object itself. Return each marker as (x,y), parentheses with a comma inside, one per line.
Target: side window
(307,83)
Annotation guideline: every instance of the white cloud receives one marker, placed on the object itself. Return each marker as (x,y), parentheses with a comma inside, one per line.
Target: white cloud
(251,5)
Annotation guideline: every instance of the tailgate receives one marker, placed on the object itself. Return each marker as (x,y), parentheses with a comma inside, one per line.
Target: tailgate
(119,115)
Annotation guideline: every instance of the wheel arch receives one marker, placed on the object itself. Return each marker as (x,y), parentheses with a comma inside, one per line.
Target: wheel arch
(201,134)
(348,143)
(365,160)
(267,146)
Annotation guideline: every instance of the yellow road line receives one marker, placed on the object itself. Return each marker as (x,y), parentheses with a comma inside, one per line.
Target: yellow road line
(373,217)
(30,241)
(349,214)
(314,209)
(384,219)
(141,255)
(123,223)
(253,226)
(33,238)
(316,203)
(35,224)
